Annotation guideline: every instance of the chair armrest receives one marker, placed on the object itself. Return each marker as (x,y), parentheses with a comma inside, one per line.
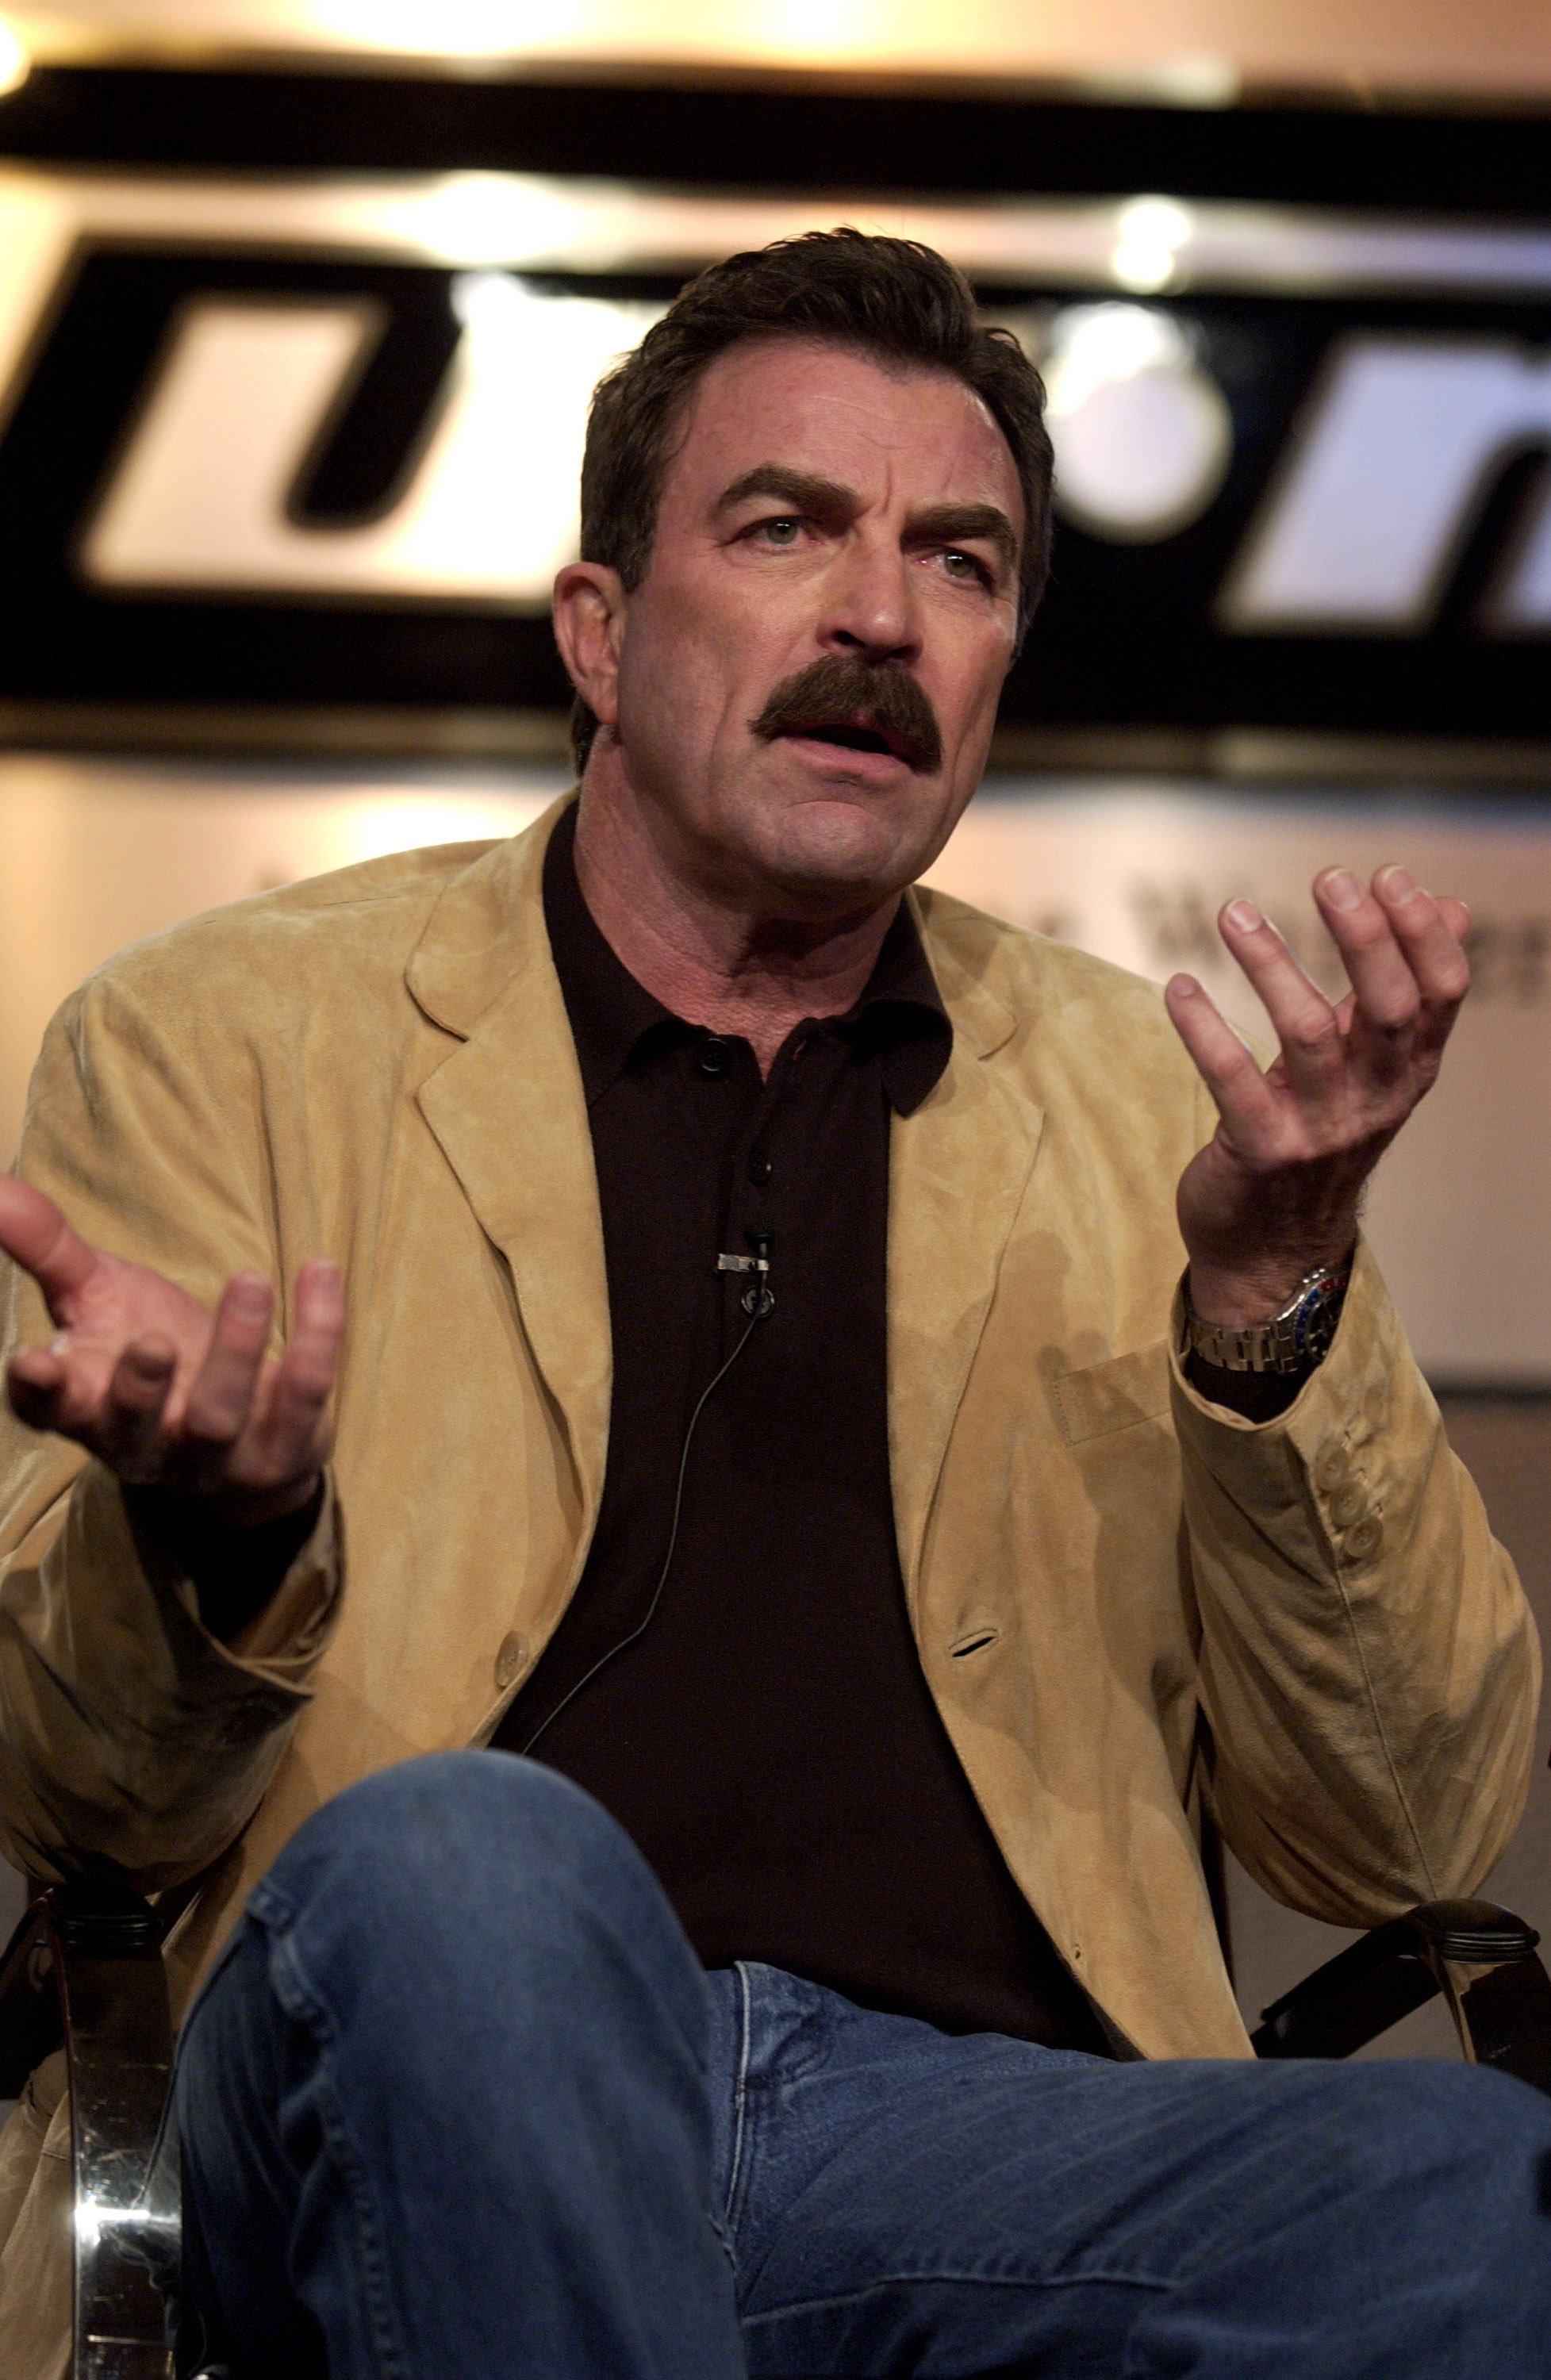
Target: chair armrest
(85,1967)
(1480,1957)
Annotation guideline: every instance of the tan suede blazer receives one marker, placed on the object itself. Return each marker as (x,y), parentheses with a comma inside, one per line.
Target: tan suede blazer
(1129,1605)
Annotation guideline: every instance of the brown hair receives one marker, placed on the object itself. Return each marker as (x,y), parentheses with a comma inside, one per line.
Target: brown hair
(892,299)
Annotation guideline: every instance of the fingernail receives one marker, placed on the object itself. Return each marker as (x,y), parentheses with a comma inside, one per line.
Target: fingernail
(250,1295)
(1399,884)
(1343,889)
(1244,915)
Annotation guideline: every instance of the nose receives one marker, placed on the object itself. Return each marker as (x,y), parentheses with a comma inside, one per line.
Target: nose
(870,606)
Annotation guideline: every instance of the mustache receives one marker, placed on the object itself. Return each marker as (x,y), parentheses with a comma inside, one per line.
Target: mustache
(842,691)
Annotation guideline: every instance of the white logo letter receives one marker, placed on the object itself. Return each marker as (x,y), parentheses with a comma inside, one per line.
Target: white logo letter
(200,499)
(1365,522)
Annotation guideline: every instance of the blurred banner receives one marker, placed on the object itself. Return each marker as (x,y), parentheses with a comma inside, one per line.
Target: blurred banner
(283,449)
(96,852)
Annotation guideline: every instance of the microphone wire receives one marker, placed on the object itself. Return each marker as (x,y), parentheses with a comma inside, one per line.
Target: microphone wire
(761,1308)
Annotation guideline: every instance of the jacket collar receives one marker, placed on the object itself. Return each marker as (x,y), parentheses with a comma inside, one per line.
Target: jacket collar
(489,921)
(507,1107)
(959,1169)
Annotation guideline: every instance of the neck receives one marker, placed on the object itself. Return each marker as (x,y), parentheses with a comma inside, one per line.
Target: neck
(734,966)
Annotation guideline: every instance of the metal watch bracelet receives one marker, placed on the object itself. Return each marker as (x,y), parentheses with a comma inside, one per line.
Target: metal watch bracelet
(1296,1339)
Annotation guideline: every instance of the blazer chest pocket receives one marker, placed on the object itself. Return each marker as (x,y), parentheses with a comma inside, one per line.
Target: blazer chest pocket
(1113,1395)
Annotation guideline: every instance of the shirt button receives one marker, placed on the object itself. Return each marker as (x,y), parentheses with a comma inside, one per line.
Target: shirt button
(1348,1506)
(713,1057)
(1364,1539)
(1331,1466)
(511,1661)
(760,1167)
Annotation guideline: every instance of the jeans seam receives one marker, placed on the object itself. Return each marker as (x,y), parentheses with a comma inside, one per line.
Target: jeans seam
(1156,2285)
(740,2100)
(302,2005)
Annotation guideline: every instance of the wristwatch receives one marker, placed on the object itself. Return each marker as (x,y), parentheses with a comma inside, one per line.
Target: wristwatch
(1293,1340)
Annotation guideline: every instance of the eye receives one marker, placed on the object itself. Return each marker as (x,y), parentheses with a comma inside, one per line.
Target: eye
(784,531)
(960,564)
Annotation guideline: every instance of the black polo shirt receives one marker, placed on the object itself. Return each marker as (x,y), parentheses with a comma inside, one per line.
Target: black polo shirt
(768,1740)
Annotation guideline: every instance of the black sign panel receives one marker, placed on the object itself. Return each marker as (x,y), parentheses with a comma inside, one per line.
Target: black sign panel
(1306,581)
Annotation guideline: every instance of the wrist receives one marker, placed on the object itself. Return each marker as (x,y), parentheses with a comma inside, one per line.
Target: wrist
(1288,1342)
(1238,1296)
(235,1566)
(257,1507)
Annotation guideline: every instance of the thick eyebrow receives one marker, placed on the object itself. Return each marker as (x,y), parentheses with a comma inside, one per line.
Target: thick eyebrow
(968,525)
(827,499)
(804,489)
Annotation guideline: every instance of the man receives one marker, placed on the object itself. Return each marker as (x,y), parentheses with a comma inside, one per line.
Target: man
(757,1402)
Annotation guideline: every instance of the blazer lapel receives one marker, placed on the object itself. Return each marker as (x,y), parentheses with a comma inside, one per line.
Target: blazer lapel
(958,1171)
(508,1111)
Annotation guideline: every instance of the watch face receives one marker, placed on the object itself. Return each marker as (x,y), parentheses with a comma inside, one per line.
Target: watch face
(1313,1325)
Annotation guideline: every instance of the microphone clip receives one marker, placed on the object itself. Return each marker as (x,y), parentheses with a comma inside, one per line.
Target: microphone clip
(758,1298)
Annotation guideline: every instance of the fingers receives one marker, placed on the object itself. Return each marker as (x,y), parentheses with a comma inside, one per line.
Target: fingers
(1429,934)
(33,1381)
(292,1430)
(1304,1020)
(254,1431)
(130,1426)
(1386,994)
(1244,1097)
(1402,953)
(1402,950)
(247,1430)
(114,1408)
(33,1231)
(221,1395)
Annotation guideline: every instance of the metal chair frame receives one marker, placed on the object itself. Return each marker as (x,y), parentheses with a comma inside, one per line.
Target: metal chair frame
(84,1968)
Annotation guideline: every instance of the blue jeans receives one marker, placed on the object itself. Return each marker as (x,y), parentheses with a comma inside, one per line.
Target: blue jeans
(459,2104)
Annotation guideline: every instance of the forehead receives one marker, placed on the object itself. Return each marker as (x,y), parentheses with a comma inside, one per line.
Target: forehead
(891,432)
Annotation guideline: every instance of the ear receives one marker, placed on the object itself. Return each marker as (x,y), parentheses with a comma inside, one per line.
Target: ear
(590,607)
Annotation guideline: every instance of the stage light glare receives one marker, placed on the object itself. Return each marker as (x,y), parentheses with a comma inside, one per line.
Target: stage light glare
(461,29)
(1142,431)
(15,64)
(1150,234)
(474,219)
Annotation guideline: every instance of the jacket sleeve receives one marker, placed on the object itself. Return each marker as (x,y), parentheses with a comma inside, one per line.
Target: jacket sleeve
(131,1738)
(1369,1667)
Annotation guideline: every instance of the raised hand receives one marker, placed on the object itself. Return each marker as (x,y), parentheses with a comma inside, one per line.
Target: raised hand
(1276,1190)
(165,1392)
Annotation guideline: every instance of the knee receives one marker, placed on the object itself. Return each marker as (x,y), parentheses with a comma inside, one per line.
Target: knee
(1436,2117)
(1466,2155)
(470,1846)
(441,1810)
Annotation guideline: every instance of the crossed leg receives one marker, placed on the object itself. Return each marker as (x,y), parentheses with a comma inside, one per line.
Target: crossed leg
(458,2104)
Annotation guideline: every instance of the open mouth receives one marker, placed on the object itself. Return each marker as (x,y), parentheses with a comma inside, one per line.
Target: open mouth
(850,738)
(875,711)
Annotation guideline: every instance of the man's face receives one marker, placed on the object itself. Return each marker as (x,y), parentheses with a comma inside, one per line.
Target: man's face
(821,509)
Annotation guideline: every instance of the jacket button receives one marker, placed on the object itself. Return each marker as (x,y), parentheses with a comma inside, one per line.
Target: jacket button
(1331,1466)
(713,1056)
(511,1661)
(1348,1506)
(1364,1539)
